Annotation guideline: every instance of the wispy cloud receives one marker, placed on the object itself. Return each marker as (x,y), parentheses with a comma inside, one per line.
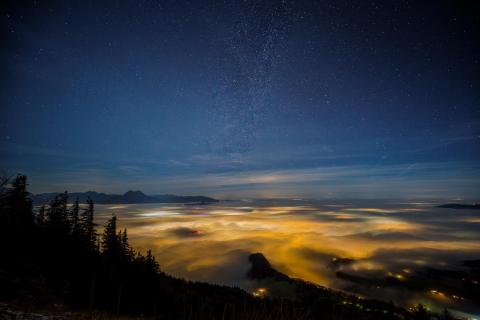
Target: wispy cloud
(418,180)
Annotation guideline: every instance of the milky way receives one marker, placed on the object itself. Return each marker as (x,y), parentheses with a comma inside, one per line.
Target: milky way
(142,92)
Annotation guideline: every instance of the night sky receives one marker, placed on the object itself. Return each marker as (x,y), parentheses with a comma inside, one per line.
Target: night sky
(324,99)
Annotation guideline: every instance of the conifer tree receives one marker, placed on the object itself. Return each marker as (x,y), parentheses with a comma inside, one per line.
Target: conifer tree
(18,206)
(88,225)
(75,215)
(57,213)
(151,263)
(111,245)
(41,215)
(127,250)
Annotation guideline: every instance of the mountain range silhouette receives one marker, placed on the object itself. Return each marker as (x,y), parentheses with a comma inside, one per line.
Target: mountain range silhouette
(130,197)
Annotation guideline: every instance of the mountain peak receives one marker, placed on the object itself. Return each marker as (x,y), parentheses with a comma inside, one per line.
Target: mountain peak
(262,269)
(135,193)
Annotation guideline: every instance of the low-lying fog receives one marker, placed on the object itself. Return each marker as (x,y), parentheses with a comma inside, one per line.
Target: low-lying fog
(367,241)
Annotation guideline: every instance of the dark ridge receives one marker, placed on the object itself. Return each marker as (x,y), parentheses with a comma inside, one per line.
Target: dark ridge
(261,269)
(475,206)
(130,197)
(474,264)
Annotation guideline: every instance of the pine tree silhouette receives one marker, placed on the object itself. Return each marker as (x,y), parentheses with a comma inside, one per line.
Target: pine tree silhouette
(111,242)
(88,225)
(75,211)
(17,206)
(57,213)
(40,218)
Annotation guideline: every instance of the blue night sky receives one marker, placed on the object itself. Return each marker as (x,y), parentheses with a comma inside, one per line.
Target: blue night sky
(332,99)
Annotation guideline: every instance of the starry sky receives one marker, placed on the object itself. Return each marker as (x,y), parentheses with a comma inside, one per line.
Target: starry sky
(233,99)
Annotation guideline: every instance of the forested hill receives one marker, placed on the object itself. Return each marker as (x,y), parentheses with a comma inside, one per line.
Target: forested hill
(54,255)
(130,197)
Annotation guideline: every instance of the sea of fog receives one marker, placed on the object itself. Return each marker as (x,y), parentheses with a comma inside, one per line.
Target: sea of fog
(311,240)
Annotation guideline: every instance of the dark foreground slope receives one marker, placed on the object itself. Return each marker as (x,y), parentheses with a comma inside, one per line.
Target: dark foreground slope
(318,299)
(53,256)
